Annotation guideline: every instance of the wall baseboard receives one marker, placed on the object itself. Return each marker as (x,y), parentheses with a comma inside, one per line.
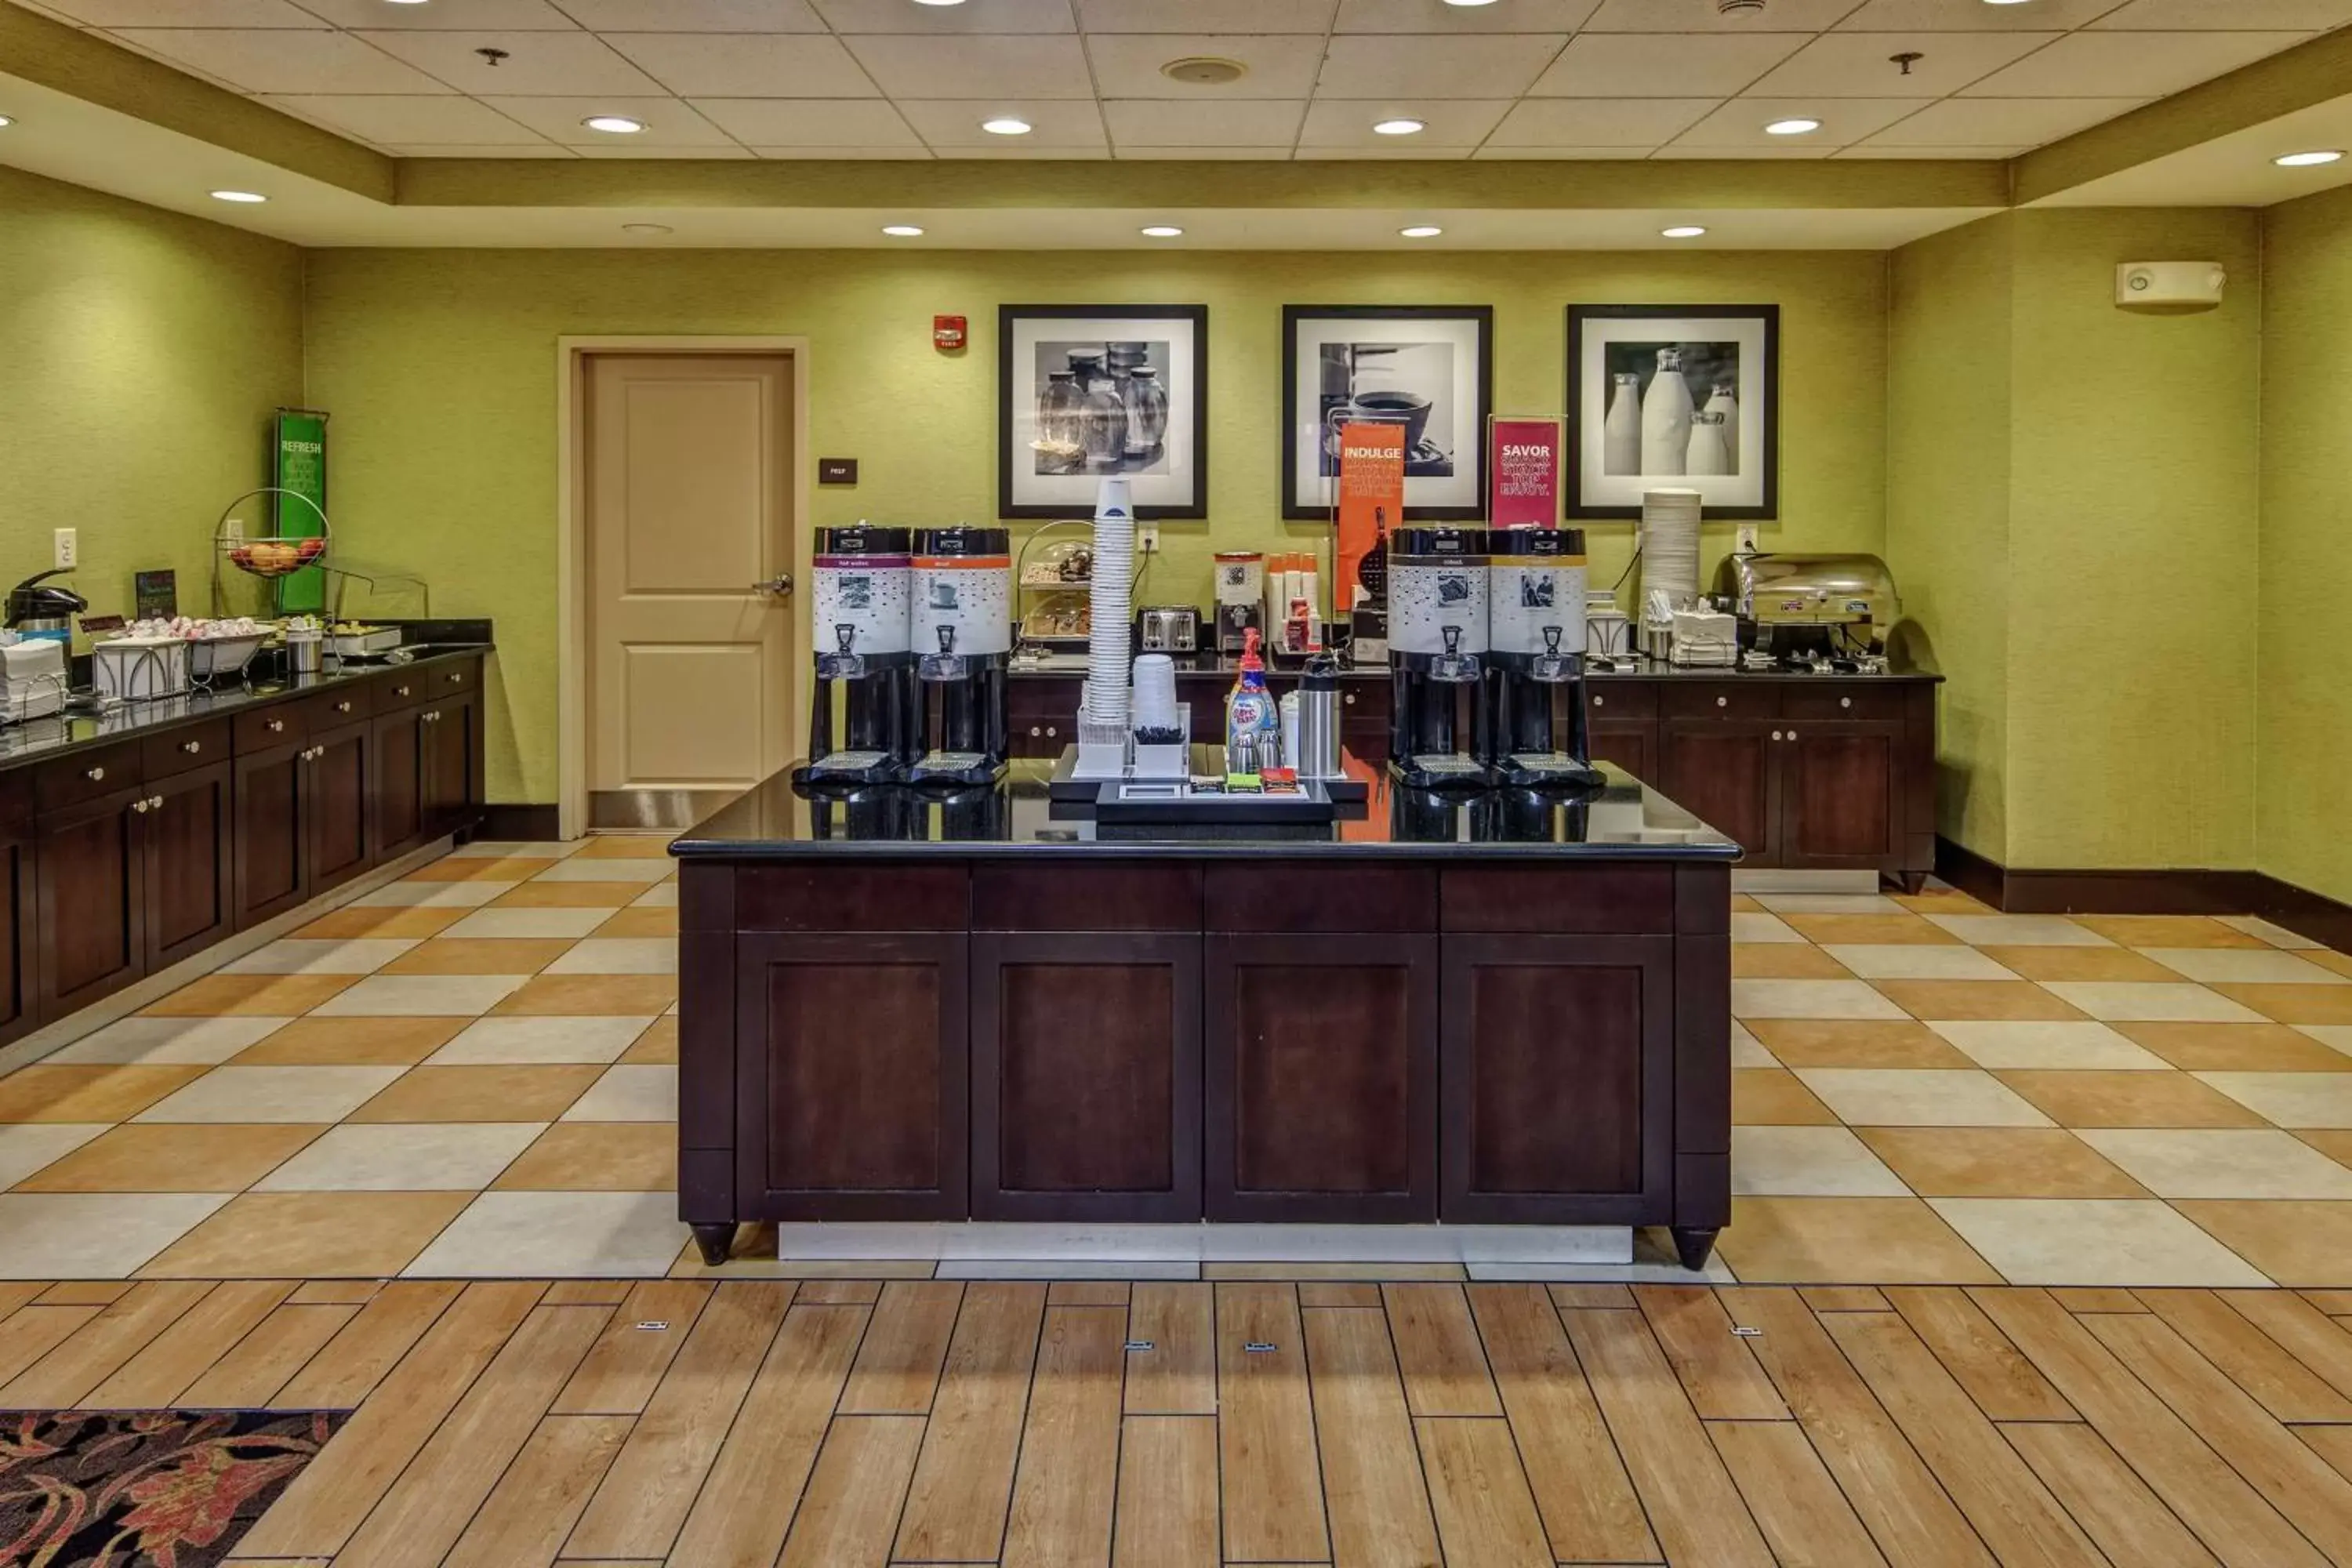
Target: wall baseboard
(518,824)
(2170,892)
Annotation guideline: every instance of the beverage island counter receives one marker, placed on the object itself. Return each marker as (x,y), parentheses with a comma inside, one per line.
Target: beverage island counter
(1494,1010)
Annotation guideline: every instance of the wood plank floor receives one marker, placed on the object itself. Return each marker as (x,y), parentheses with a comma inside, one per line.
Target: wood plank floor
(841,1422)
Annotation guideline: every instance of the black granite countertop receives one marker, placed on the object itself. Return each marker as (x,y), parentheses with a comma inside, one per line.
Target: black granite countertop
(1210,664)
(36,739)
(1624,820)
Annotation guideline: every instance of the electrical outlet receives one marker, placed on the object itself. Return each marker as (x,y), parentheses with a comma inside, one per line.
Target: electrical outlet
(1147,538)
(1747,538)
(69,552)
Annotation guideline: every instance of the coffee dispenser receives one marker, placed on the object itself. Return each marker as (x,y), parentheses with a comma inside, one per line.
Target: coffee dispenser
(862,711)
(1535,662)
(1439,720)
(962,640)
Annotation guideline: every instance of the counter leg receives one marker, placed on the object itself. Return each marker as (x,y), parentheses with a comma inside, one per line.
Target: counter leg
(716,1241)
(1692,1244)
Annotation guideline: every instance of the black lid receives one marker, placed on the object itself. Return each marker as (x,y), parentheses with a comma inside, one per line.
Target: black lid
(1525,539)
(861,539)
(27,598)
(1322,674)
(1429,539)
(963,540)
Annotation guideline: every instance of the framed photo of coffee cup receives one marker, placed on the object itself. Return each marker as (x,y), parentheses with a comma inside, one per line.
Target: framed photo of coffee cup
(1685,396)
(1089,392)
(1425,367)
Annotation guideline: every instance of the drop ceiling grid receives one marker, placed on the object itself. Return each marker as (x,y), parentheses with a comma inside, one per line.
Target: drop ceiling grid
(846,78)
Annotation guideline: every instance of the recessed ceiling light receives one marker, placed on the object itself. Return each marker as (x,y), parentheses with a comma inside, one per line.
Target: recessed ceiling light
(1421,231)
(1161,231)
(1799,126)
(1006,125)
(1469,3)
(6,122)
(246,197)
(903,230)
(1398,127)
(404,2)
(2287,161)
(938,2)
(626,227)
(1682,231)
(2004,2)
(614,124)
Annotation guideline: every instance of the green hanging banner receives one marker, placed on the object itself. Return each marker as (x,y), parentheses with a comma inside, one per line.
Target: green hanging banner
(298,462)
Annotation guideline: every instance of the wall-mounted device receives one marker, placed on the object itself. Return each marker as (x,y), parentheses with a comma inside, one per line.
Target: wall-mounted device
(2169,287)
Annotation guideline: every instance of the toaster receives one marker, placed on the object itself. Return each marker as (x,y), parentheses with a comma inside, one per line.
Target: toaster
(1169,628)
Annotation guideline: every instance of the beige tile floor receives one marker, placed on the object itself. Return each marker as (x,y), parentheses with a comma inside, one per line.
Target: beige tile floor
(472,1072)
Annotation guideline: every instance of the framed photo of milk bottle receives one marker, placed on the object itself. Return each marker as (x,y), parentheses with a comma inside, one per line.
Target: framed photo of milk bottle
(1680,397)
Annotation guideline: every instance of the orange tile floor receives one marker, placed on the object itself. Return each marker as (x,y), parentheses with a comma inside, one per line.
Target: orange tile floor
(472,1072)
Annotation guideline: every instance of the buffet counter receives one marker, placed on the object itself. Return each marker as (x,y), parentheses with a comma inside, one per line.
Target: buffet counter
(1498,1010)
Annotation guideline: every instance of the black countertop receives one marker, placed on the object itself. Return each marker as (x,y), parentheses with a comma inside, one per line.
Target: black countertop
(1210,664)
(1624,820)
(38,740)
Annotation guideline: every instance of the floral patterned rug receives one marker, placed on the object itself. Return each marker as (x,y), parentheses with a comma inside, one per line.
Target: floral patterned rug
(144,1488)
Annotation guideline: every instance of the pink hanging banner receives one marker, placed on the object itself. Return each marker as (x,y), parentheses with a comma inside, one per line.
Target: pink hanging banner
(1523,468)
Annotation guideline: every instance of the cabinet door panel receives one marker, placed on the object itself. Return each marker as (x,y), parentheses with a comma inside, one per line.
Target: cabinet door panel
(1557,1079)
(450,764)
(1722,770)
(19,921)
(852,1062)
(1321,1077)
(399,764)
(93,898)
(1087,1077)
(1631,743)
(338,808)
(1840,804)
(190,871)
(271,835)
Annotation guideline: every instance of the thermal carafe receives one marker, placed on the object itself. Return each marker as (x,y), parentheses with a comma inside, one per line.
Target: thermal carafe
(962,641)
(862,718)
(1438,718)
(1536,657)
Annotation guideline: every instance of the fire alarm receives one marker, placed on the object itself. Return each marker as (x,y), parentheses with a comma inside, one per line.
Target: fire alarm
(948,333)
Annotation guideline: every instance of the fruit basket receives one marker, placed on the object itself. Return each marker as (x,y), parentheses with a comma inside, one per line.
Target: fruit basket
(269,556)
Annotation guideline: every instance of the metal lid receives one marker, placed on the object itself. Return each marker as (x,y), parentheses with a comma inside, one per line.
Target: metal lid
(861,539)
(1524,540)
(1431,540)
(963,540)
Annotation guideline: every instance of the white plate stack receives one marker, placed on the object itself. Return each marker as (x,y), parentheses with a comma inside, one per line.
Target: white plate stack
(1670,519)
(1107,644)
(32,678)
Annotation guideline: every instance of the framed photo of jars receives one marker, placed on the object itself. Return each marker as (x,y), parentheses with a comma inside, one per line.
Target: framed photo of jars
(1089,392)
(1673,396)
(1426,367)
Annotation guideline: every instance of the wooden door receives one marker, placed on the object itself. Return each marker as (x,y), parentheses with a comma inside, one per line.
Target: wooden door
(1556,1067)
(1321,1073)
(191,882)
(1086,1076)
(1841,800)
(336,812)
(690,514)
(1631,743)
(399,764)
(853,1058)
(1724,772)
(20,922)
(93,901)
(273,834)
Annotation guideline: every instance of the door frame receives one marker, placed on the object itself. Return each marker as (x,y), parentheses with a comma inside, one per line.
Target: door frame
(572,356)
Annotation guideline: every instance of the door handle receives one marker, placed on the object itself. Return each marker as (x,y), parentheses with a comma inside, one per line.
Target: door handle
(779,584)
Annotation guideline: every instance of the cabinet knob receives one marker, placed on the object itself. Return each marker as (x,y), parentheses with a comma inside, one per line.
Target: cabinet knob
(455,678)
(1037,731)
(192,747)
(1723,702)
(343,707)
(1051,731)
(94,774)
(400,692)
(1349,698)
(141,806)
(156,801)
(1776,734)
(276,725)
(1599,702)
(1845,701)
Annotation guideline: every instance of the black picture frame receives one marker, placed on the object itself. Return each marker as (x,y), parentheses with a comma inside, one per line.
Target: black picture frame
(1759,497)
(1010,447)
(1297,507)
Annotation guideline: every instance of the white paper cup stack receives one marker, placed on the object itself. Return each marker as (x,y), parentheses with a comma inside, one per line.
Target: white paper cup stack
(1155,693)
(1670,519)
(1106,647)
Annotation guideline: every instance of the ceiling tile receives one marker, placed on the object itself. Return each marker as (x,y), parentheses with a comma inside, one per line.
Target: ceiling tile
(1970,16)
(989,16)
(1434,16)
(1704,17)
(1031,67)
(1126,65)
(667,122)
(1860,65)
(1056,154)
(1557,154)
(2001,122)
(1055,122)
(1679,150)
(1209,16)
(550,64)
(1628,123)
(1385,155)
(416,118)
(1157,123)
(526,150)
(2311,15)
(2128,65)
(918,153)
(481,16)
(1635,65)
(1453,122)
(736,65)
(1740,123)
(720,150)
(1178,154)
(177,12)
(1497,65)
(808,121)
(259,61)
(696,16)
(1896,150)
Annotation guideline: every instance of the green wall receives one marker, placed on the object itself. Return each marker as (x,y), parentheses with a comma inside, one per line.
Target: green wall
(2305,736)
(440,367)
(142,353)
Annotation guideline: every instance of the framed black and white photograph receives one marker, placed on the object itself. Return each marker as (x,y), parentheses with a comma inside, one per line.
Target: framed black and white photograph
(1673,396)
(1427,368)
(1083,392)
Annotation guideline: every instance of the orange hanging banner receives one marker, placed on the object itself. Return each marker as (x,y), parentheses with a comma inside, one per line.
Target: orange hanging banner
(1371,500)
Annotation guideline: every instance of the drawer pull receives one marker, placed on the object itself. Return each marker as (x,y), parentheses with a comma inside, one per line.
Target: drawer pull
(455,678)
(1845,701)
(192,747)
(156,801)
(343,707)
(1723,702)
(276,725)
(1037,731)
(142,806)
(1776,734)
(1600,702)
(94,774)
(1349,700)
(400,692)
(1050,733)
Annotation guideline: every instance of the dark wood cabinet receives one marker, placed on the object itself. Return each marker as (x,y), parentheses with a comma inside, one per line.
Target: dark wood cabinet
(1724,772)
(1631,743)
(451,768)
(91,873)
(1321,1077)
(190,831)
(1086,1076)
(399,763)
(20,962)
(336,815)
(853,1089)
(273,832)
(1841,793)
